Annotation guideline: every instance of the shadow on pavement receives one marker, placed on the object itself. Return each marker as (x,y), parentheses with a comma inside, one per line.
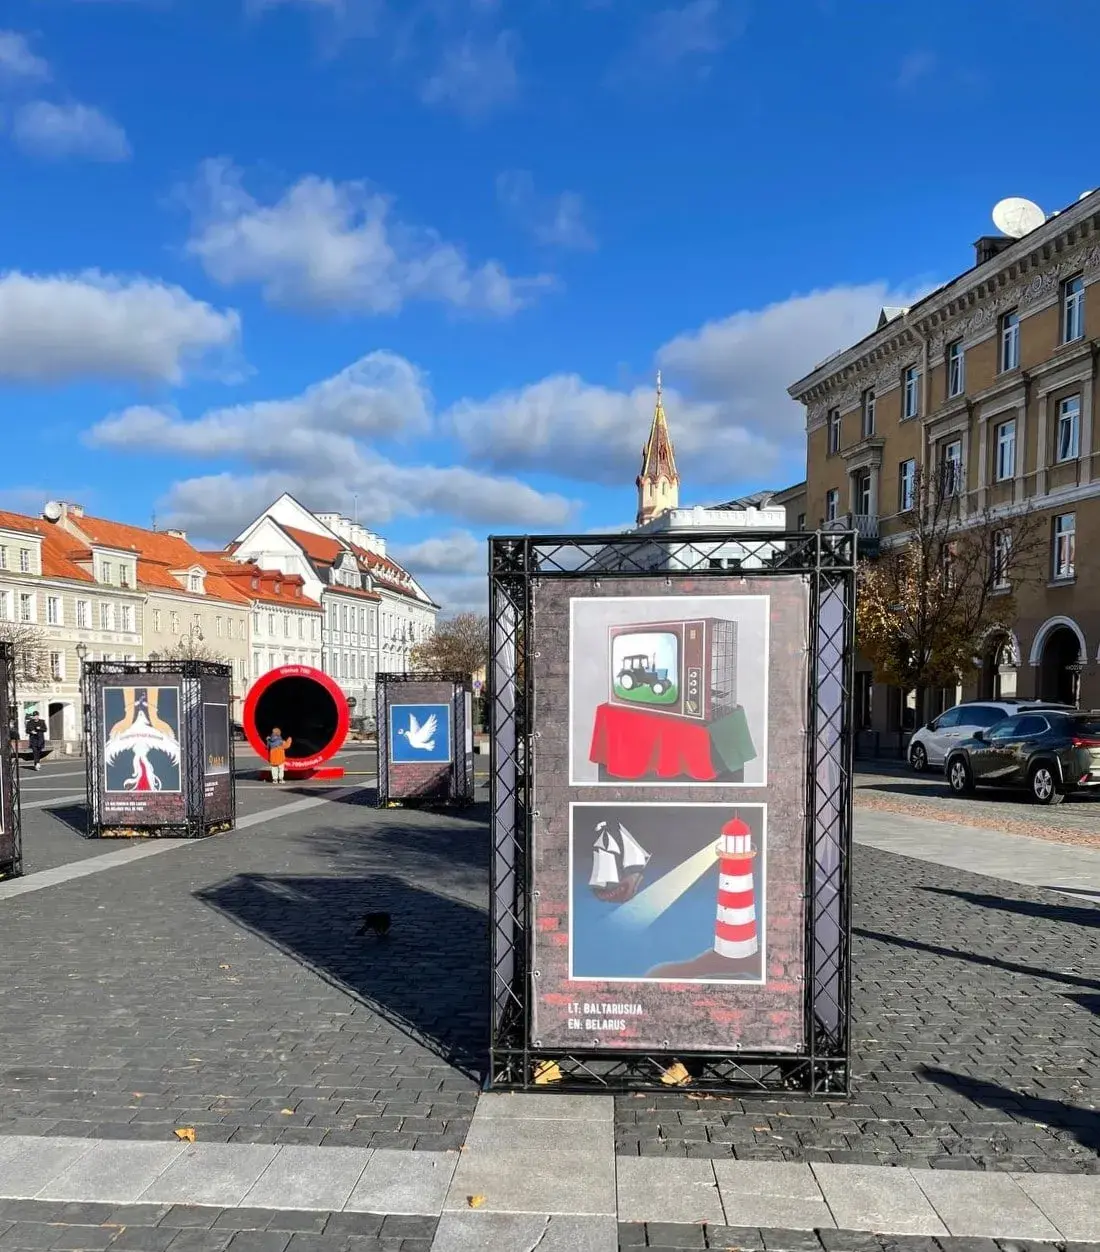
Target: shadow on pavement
(1082,1124)
(429,976)
(1081,916)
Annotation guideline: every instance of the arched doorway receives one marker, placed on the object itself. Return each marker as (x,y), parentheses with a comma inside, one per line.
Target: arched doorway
(997,677)
(1058,680)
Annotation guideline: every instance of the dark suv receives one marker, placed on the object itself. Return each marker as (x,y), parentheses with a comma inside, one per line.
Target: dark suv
(1049,751)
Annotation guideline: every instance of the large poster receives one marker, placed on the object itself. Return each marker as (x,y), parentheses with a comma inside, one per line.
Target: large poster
(217,776)
(669,813)
(420,740)
(143,765)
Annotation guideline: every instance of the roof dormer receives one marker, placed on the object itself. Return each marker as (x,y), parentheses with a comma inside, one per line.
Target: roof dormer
(192,579)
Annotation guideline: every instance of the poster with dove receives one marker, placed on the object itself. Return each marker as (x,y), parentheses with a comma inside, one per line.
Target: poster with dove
(420,734)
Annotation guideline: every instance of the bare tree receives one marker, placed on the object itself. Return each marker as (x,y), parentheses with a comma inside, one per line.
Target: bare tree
(32,656)
(459,645)
(925,607)
(189,648)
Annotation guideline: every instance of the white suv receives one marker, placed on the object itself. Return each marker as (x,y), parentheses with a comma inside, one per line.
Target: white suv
(930,744)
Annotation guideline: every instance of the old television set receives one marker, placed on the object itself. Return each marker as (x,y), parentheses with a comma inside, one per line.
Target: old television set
(684,669)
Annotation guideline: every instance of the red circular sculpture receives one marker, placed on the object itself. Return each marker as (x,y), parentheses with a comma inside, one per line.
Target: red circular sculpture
(307,706)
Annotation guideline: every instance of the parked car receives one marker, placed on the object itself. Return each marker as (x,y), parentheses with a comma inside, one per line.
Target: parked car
(237,730)
(1049,751)
(931,744)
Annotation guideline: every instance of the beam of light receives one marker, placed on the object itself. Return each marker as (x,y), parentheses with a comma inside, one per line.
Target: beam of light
(649,904)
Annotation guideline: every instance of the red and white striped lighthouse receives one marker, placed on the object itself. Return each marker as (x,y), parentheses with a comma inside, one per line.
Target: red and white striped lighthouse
(735,928)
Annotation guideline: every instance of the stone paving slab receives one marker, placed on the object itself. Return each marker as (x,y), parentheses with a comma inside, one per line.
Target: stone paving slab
(670,1237)
(994,1205)
(869,1197)
(668,1190)
(1068,1202)
(510,1232)
(113,1172)
(975,1039)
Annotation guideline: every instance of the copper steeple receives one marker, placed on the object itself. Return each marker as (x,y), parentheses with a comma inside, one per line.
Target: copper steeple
(658,482)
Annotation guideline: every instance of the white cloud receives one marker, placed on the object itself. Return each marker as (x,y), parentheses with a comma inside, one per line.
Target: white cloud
(459,552)
(18,63)
(475,75)
(331,246)
(381,394)
(730,415)
(61,328)
(693,32)
(59,131)
(553,221)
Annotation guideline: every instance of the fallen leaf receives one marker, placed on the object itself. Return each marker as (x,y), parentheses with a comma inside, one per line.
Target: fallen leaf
(186,1133)
(475,1201)
(287,1112)
(675,1076)
(223,967)
(547,1071)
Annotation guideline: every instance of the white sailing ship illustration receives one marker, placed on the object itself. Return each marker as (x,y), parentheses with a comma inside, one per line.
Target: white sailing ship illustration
(618,864)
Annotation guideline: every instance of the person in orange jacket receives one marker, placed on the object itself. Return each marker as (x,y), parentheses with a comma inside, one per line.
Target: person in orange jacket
(276,753)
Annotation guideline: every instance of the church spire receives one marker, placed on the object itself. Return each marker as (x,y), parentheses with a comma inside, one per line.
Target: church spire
(658,483)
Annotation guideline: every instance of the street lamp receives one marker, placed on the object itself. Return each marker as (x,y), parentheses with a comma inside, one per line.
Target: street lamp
(82,656)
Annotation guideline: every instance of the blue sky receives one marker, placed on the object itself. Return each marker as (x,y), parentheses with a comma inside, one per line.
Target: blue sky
(430,253)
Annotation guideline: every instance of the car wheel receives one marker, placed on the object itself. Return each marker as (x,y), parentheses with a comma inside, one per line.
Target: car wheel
(918,758)
(958,777)
(1044,786)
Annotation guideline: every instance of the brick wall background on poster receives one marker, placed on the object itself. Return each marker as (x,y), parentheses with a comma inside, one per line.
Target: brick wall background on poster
(427,780)
(703,1015)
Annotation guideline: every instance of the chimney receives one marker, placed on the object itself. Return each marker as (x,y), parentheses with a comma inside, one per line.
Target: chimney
(176,534)
(989,246)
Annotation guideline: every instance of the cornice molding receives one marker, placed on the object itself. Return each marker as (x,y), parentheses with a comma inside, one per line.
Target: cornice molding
(882,376)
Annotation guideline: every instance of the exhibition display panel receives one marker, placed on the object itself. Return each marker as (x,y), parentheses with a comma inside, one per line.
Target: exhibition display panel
(425,738)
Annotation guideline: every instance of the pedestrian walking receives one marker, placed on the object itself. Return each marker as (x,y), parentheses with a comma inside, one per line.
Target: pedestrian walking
(36,738)
(276,754)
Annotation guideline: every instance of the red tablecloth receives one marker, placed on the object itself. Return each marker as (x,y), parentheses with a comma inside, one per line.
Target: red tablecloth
(631,743)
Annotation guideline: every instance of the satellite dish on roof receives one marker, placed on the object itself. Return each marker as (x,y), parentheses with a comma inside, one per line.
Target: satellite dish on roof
(1017,217)
(52,511)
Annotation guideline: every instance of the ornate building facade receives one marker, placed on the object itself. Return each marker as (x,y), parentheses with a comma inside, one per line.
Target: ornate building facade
(990,383)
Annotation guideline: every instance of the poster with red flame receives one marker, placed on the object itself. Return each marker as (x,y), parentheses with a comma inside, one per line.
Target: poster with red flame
(143,766)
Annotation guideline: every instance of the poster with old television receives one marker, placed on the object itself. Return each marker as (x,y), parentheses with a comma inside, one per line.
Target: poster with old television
(217,761)
(670,830)
(143,750)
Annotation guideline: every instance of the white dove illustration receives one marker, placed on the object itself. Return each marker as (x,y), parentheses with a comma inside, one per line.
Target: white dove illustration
(420,737)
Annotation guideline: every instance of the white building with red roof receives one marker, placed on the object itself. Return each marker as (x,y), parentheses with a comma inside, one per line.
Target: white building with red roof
(374,612)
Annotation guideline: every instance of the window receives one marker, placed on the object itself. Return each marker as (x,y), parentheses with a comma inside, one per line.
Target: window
(832,505)
(1005,466)
(5,606)
(219,627)
(1010,341)
(257,661)
(3,556)
(156,620)
(332,615)
(106,617)
(194,582)
(861,497)
(271,624)
(951,468)
(1005,729)
(907,484)
(174,623)
(313,634)
(1069,429)
(956,369)
(1002,552)
(800,522)
(949,719)
(53,610)
(1065,543)
(83,614)
(26,607)
(24,560)
(910,381)
(126,611)
(286,625)
(834,431)
(343,617)
(105,572)
(868,409)
(1073,309)
(57,666)
(256,622)
(124,576)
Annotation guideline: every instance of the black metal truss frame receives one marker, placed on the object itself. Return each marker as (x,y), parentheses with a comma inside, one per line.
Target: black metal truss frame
(197,824)
(827,559)
(462,767)
(11,865)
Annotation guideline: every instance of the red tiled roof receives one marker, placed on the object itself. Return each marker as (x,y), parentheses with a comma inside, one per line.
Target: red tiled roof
(316,547)
(57,547)
(388,574)
(158,555)
(272,586)
(338,589)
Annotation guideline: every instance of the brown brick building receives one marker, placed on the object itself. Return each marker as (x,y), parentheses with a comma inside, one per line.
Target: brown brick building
(992,381)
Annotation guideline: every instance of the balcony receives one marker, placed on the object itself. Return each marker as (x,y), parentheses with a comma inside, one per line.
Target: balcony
(864,524)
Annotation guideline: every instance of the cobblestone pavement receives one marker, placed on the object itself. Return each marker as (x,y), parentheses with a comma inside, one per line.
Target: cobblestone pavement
(38,1225)
(976,1039)
(669,1236)
(222,987)
(927,795)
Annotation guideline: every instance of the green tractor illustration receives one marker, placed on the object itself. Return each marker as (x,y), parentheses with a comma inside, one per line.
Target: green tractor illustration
(639,670)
